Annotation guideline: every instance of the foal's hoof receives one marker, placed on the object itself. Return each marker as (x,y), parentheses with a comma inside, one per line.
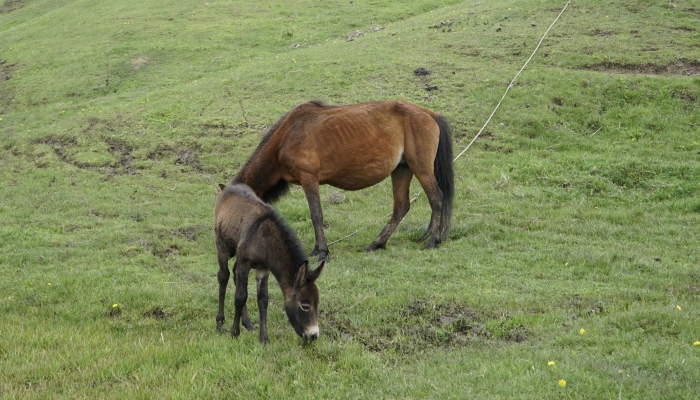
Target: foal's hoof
(322,257)
(375,246)
(431,245)
(220,326)
(313,252)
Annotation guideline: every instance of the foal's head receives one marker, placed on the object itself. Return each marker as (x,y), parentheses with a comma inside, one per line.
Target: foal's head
(301,305)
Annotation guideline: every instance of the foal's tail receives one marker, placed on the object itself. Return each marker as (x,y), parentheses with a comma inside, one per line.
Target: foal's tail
(444,173)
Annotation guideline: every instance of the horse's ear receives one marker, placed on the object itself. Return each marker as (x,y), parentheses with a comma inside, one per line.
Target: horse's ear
(222,186)
(311,276)
(301,274)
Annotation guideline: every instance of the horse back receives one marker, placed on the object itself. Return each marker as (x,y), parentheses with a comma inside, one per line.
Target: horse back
(353,146)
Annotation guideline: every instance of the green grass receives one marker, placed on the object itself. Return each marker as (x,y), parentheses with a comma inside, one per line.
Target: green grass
(576,210)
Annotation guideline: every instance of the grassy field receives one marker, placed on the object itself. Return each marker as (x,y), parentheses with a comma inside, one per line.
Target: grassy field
(572,269)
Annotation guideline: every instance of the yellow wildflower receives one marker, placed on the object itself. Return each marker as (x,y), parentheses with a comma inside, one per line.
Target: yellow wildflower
(582,331)
(678,307)
(696,343)
(550,363)
(562,382)
(115,305)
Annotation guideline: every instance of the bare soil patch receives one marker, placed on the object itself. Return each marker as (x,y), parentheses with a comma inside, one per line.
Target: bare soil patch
(158,314)
(6,71)
(680,67)
(139,62)
(424,324)
(11,5)
(363,32)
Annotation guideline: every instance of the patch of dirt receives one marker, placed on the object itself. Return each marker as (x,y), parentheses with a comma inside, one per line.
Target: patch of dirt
(599,32)
(158,314)
(683,28)
(6,71)
(680,67)
(580,307)
(139,62)
(422,325)
(11,5)
(118,147)
(497,148)
(159,250)
(183,156)
(444,26)
(189,233)
(190,158)
(363,32)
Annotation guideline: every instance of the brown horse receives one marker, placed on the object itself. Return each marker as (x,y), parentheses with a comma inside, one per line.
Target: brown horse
(250,230)
(352,147)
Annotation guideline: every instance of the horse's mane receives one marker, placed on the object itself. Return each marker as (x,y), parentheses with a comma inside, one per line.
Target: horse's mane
(281,187)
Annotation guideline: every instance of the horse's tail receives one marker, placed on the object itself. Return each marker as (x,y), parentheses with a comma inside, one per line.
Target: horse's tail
(444,174)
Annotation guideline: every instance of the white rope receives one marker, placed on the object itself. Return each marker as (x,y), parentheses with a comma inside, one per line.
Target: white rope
(510,85)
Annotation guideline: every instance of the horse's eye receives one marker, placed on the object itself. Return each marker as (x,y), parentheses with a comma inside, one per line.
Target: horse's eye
(304,307)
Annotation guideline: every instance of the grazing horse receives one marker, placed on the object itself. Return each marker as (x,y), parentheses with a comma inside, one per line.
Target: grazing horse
(353,147)
(250,230)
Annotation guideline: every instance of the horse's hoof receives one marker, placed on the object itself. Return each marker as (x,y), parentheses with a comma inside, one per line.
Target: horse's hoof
(322,257)
(375,246)
(313,252)
(264,340)
(249,326)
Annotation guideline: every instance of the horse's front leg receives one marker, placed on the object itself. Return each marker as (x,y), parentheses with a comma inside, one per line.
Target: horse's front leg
(241,278)
(261,277)
(313,197)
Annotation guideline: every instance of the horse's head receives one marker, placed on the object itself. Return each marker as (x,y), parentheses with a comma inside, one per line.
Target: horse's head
(301,305)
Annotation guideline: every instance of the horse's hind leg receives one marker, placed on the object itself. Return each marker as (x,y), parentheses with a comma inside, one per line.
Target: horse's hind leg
(245,317)
(434,194)
(400,183)
(240,273)
(222,276)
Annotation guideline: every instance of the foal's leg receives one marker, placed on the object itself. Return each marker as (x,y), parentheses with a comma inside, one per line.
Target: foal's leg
(310,185)
(261,277)
(400,183)
(223,276)
(246,319)
(241,278)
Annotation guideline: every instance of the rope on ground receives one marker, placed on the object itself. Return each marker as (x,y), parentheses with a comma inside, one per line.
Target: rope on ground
(511,84)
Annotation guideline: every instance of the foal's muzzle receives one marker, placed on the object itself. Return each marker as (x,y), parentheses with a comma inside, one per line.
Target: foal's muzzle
(311,334)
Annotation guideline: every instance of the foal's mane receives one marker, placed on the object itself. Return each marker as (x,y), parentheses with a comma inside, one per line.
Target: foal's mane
(292,245)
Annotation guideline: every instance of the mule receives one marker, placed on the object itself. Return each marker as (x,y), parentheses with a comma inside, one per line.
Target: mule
(353,147)
(247,228)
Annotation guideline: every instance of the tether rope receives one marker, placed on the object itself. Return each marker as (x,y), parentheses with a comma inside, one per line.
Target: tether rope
(510,85)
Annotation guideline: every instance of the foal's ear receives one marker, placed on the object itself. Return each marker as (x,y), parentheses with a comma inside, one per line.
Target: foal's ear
(222,186)
(300,279)
(311,276)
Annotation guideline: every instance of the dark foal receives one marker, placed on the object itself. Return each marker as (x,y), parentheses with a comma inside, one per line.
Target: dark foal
(250,230)
(352,147)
